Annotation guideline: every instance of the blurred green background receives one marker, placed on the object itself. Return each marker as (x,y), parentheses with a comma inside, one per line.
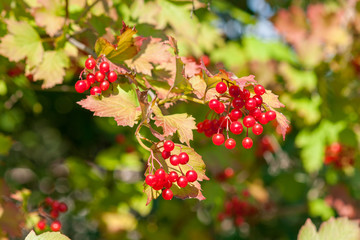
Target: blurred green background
(307,52)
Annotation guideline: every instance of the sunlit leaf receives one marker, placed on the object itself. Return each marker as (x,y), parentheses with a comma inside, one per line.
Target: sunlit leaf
(46,236)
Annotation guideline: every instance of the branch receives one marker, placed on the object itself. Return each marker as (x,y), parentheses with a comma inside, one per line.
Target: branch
(184,97)
(81,46)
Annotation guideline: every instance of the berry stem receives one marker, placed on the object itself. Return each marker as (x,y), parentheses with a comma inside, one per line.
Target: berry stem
(184,97)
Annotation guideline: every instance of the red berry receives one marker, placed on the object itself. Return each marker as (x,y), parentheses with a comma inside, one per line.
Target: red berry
(221,87)
(104,67)
(90,78)
(235,114)
(270,115)
(191,176)
(259,89)
(55,226)
(55,205)
(258,100)
(228,172)
(249,121)
(234,91)
(63,207)
(245,94)
(165,154)
(230,143)
(167,194)
(257,129)
(255,113)
(54,213)
(151,180)
(168,184)
(220,109)
(104,85)
(237,103)
(213,104)
(173,176)
(184,158)
(206,60)
(182,181)
(41,224)
(236,127)
(262,119)
(169,145)
(206,124)
(160,174)
(90,63)
(112,76)
(250,104)
(218,139)
(174,160)
(239,220)
(159,184)
(99,76)
(95,90)
(49,201)
(81,86)
(247,142)
(200,127)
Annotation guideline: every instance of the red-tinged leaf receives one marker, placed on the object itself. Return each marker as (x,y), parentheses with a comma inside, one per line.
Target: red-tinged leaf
(271,99)
(241,82)
(200,88)
(193,190)
(191,67)
(181,123)
(122,106)
(123,49)
(152,51)
(173,43)
(122,70)
(283,123)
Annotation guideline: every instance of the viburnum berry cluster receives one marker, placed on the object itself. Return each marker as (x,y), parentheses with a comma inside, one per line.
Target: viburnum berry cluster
(231,105)
(50,211)
(339,155)
(96,80)
(163,180)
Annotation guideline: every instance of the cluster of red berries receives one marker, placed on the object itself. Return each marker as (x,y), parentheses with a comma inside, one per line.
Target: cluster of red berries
(99,80)
(161,179)
(238,210)
(54,209)
(339,155)
(231,105)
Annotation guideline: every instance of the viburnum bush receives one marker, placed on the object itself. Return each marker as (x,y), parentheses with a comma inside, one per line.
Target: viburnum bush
(137,80)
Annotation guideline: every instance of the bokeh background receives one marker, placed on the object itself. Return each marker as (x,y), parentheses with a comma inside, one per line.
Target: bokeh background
(307,52)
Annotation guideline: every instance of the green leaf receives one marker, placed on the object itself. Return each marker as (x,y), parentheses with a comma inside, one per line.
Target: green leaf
(182,123)
(319,208)
(46,236)
(122,50)
(297,79)
(181,82)
(5,144)
(308,231)
(52,68)
(22,42)
(123,106)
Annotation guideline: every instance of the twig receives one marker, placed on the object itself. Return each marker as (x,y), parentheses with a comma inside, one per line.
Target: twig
(80,45)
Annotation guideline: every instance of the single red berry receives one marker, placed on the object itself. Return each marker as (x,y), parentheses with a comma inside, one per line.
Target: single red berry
(255,113)
(335,148)
(270,115)
(258,100)
(182,181)
(228,172)
(218,139)
(159,184)
(234,91)
(90,63)
(247,142)
(55,205)
(259,89)
(220,109)
(191,176)
(49,201)
(250,104)
(63,207)
(173,176)
(206,124)
(90,78)
(262,119)
(99,76)
(104,85)
(200,127)
(41,224)
(54,213)
(257,129)
(221,87)
(151,180)
(161,174)
(213,104)
(95,90)
(230,143)
(223,122)
(168,184)
(104,67)
(55,226)
(235,114)
(80,86)
(215,124)
(249,121)
(169,145)
(184,158)
(112,76)
(239,220)
(167,194)
(237,103)
(165,154)
(236,127)
(245,94)
(174,160)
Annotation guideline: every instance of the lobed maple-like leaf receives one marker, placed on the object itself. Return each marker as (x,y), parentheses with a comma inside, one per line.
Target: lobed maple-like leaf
(122,106)
(124,48)
(193,190)
(52,68)
(46,236)
(22,41)
(181,123)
